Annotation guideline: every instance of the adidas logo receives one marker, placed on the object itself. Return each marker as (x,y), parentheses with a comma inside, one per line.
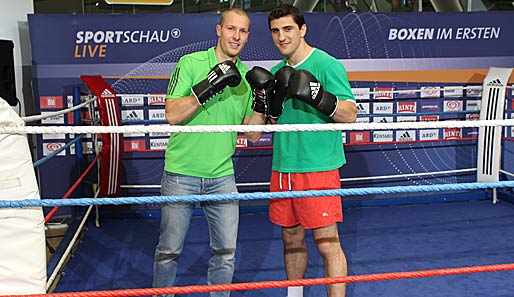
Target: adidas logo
(132,116)
(224,68)
(383,120)
(405,136)
(212,76)
(315,86)
(107,93)
(495,83)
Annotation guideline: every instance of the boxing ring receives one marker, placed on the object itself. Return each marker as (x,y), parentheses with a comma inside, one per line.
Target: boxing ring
(403,244)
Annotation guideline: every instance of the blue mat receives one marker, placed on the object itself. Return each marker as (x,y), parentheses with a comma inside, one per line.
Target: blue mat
(118,255)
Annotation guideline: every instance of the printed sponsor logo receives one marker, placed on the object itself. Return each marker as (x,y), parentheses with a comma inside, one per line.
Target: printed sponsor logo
(132,135)
(383,120)
(383,93)
(50,147)
(359,137)
(429,134)
(430,105)
(132,115)
(452,133)
(362,108)
(241,141)
(48,136)
(495,83)
(382,136)
(50,102)
(157,99)
(265,140)
(406,107)
(56,119)
(470,132)
(473,117)
(430,92)
(134,144)
(361,93)
(454,105)
(156,114)
(107,94)
(474,91)
(362,120)
(314,89)
(158,143)
(473,104)
(128,100)
(453,91)
(160,134)
(344,137)
(429,118)
(405,135)
(406,119)
(404,92)
(379,108)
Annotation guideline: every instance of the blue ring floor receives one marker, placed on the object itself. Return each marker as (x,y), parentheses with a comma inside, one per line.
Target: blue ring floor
(118,255)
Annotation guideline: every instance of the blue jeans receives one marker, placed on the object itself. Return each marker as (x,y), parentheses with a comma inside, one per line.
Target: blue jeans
(222,218)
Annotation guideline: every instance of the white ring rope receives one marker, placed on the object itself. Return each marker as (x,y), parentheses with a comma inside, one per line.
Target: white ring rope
(408,91)
(251,128)
(55,113)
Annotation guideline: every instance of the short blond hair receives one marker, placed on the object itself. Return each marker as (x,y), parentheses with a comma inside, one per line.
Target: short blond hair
(235,10)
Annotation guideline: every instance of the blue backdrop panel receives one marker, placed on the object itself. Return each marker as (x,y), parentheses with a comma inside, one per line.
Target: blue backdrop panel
(137,53)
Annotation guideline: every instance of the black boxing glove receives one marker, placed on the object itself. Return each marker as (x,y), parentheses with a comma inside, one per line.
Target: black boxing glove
(262,82)
(276,102)
(305,87)
(222,75)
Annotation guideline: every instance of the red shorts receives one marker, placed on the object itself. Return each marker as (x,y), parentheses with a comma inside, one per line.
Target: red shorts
(310,212)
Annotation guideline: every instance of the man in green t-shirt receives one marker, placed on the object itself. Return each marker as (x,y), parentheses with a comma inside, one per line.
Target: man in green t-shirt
(206,88)
(311,87)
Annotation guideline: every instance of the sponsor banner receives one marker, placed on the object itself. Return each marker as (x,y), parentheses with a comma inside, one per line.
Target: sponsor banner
(382,107)
(383,93)
(470,132)
(131,100)
(265,140)
(406,107)
(406,92)
(56,119)
(359,137)
(429,134)
(48,136)
(46,102)
(452,105)
(344,137)
(472,117)
(453,91)
(134,144)
(452,133)
(382,136)
(160,134)
(473,104)
(156,114)
(50,147)
(158,143)
(362,120)
(406,119)
(474,91)
(383,119)
(156,99)
(132,135)
(132,115)
(429,118)
(430,92)
(361,93)
(429,105)
(362,108)
(241,142)
(405,135)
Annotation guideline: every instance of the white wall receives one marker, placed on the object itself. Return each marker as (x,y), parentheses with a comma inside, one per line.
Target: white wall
(13,26)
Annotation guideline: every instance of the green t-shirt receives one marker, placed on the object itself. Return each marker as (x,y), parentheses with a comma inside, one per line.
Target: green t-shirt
(207,155)
(310,151)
